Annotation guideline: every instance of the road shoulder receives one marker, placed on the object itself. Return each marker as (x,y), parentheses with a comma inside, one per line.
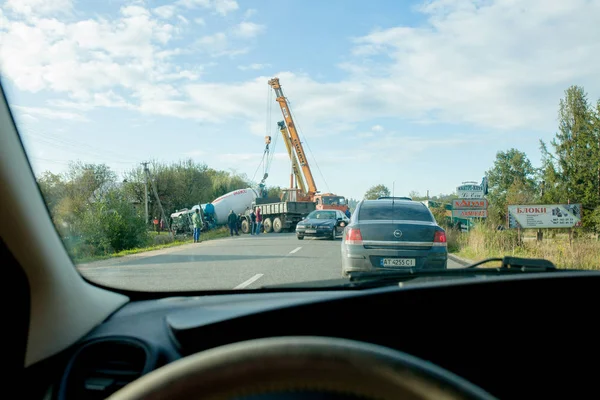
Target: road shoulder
(459,260)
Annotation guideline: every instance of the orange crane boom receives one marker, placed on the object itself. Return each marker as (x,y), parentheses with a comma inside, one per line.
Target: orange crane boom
(310,181)
(295,165)
(292,139)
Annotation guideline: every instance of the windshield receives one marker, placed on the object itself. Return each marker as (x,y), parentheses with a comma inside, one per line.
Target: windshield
(182,145)
(394,211)
(322,215)
(330,200)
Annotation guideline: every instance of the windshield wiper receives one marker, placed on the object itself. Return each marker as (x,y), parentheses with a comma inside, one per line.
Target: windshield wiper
(510,265)
(524,264)
(362,280)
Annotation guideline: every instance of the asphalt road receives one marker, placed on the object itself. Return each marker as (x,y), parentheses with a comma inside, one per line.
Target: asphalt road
(243,262)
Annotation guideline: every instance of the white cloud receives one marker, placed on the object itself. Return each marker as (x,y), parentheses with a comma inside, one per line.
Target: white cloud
(165,11)
(248,30)
(218,45)
(377,128)
(253,67)
(493,65)
(249,12)
(222,7)
(34,112)
(200,21)
(88,58)
(39,7)
(194,3)
(496,63)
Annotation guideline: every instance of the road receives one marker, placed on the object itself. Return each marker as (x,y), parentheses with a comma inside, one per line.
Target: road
(243,262)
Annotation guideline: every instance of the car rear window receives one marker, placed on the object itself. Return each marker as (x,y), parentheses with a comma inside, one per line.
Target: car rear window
(397,211)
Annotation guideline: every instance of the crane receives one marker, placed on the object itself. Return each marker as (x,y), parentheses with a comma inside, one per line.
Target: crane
(298,156)
(295,164)
(295,139)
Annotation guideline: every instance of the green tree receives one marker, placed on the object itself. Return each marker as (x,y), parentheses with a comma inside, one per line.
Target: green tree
(576,148)
(552,187)
(179,185)
(377,191)
(82,185)
(577,152)
(274,191)
(53,188)
(510,178)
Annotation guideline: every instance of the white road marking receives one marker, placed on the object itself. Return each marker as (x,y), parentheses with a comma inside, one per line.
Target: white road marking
(295,250)
(249,281)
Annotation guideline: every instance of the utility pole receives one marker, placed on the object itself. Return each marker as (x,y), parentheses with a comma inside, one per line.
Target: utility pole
(145,164)
(162,211)
(540,233)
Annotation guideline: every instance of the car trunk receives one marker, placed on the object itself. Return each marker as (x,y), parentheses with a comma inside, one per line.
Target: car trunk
(401,235)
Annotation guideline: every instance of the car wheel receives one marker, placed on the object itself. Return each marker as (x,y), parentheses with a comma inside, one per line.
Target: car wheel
(300,237)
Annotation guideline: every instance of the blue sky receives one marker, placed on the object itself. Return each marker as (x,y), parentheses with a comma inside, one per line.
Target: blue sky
(420,93)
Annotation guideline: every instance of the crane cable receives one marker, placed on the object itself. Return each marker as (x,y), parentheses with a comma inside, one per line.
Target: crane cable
(271,127)
(307,145)
(269,152)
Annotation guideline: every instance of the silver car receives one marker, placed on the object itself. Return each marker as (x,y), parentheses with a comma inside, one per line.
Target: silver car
(389,234)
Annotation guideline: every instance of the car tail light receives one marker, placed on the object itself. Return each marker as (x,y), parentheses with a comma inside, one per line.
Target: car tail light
(439,239)
(353,236)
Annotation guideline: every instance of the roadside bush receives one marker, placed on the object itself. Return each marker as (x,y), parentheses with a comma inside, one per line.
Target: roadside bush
(439,213)
(453,238)
(484,241)
(162,239)
(112,224)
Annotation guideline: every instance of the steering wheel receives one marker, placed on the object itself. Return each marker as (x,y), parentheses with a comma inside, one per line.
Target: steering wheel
(296,364)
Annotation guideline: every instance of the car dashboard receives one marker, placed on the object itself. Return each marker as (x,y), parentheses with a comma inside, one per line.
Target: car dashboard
(516,337)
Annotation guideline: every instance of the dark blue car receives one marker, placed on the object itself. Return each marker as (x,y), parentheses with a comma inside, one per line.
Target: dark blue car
(322,223)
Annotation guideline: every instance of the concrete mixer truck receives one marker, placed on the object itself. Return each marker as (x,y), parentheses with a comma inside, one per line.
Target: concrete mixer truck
(238,201)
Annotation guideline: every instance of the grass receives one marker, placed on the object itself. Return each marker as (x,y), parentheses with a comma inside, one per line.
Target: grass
(179,241)
(484,242)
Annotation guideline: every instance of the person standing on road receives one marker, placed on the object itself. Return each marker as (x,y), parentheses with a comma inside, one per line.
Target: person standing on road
(232,221)
(258,220)
(197,220)
(252,222)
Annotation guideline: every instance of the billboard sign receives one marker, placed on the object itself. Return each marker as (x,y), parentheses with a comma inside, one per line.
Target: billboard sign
(469,213)
(470,191)
(470,204)
(544,216)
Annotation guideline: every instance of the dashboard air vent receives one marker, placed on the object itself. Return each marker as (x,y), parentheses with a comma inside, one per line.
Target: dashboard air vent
(101,368)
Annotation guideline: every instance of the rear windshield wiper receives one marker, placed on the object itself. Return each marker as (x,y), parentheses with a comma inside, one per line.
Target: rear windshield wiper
(510,265)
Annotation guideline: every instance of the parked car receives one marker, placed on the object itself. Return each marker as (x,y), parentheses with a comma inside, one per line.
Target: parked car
(390,234)
(322,223)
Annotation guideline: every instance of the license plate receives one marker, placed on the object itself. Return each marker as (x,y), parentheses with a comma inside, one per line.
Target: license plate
(398,262)
(310,231)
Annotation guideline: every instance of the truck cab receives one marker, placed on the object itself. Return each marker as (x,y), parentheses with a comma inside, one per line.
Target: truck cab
(330,201)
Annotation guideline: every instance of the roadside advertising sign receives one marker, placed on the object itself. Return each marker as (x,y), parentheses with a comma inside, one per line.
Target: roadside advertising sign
(470,191)
(469,213)
(544,216)
(470,204)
